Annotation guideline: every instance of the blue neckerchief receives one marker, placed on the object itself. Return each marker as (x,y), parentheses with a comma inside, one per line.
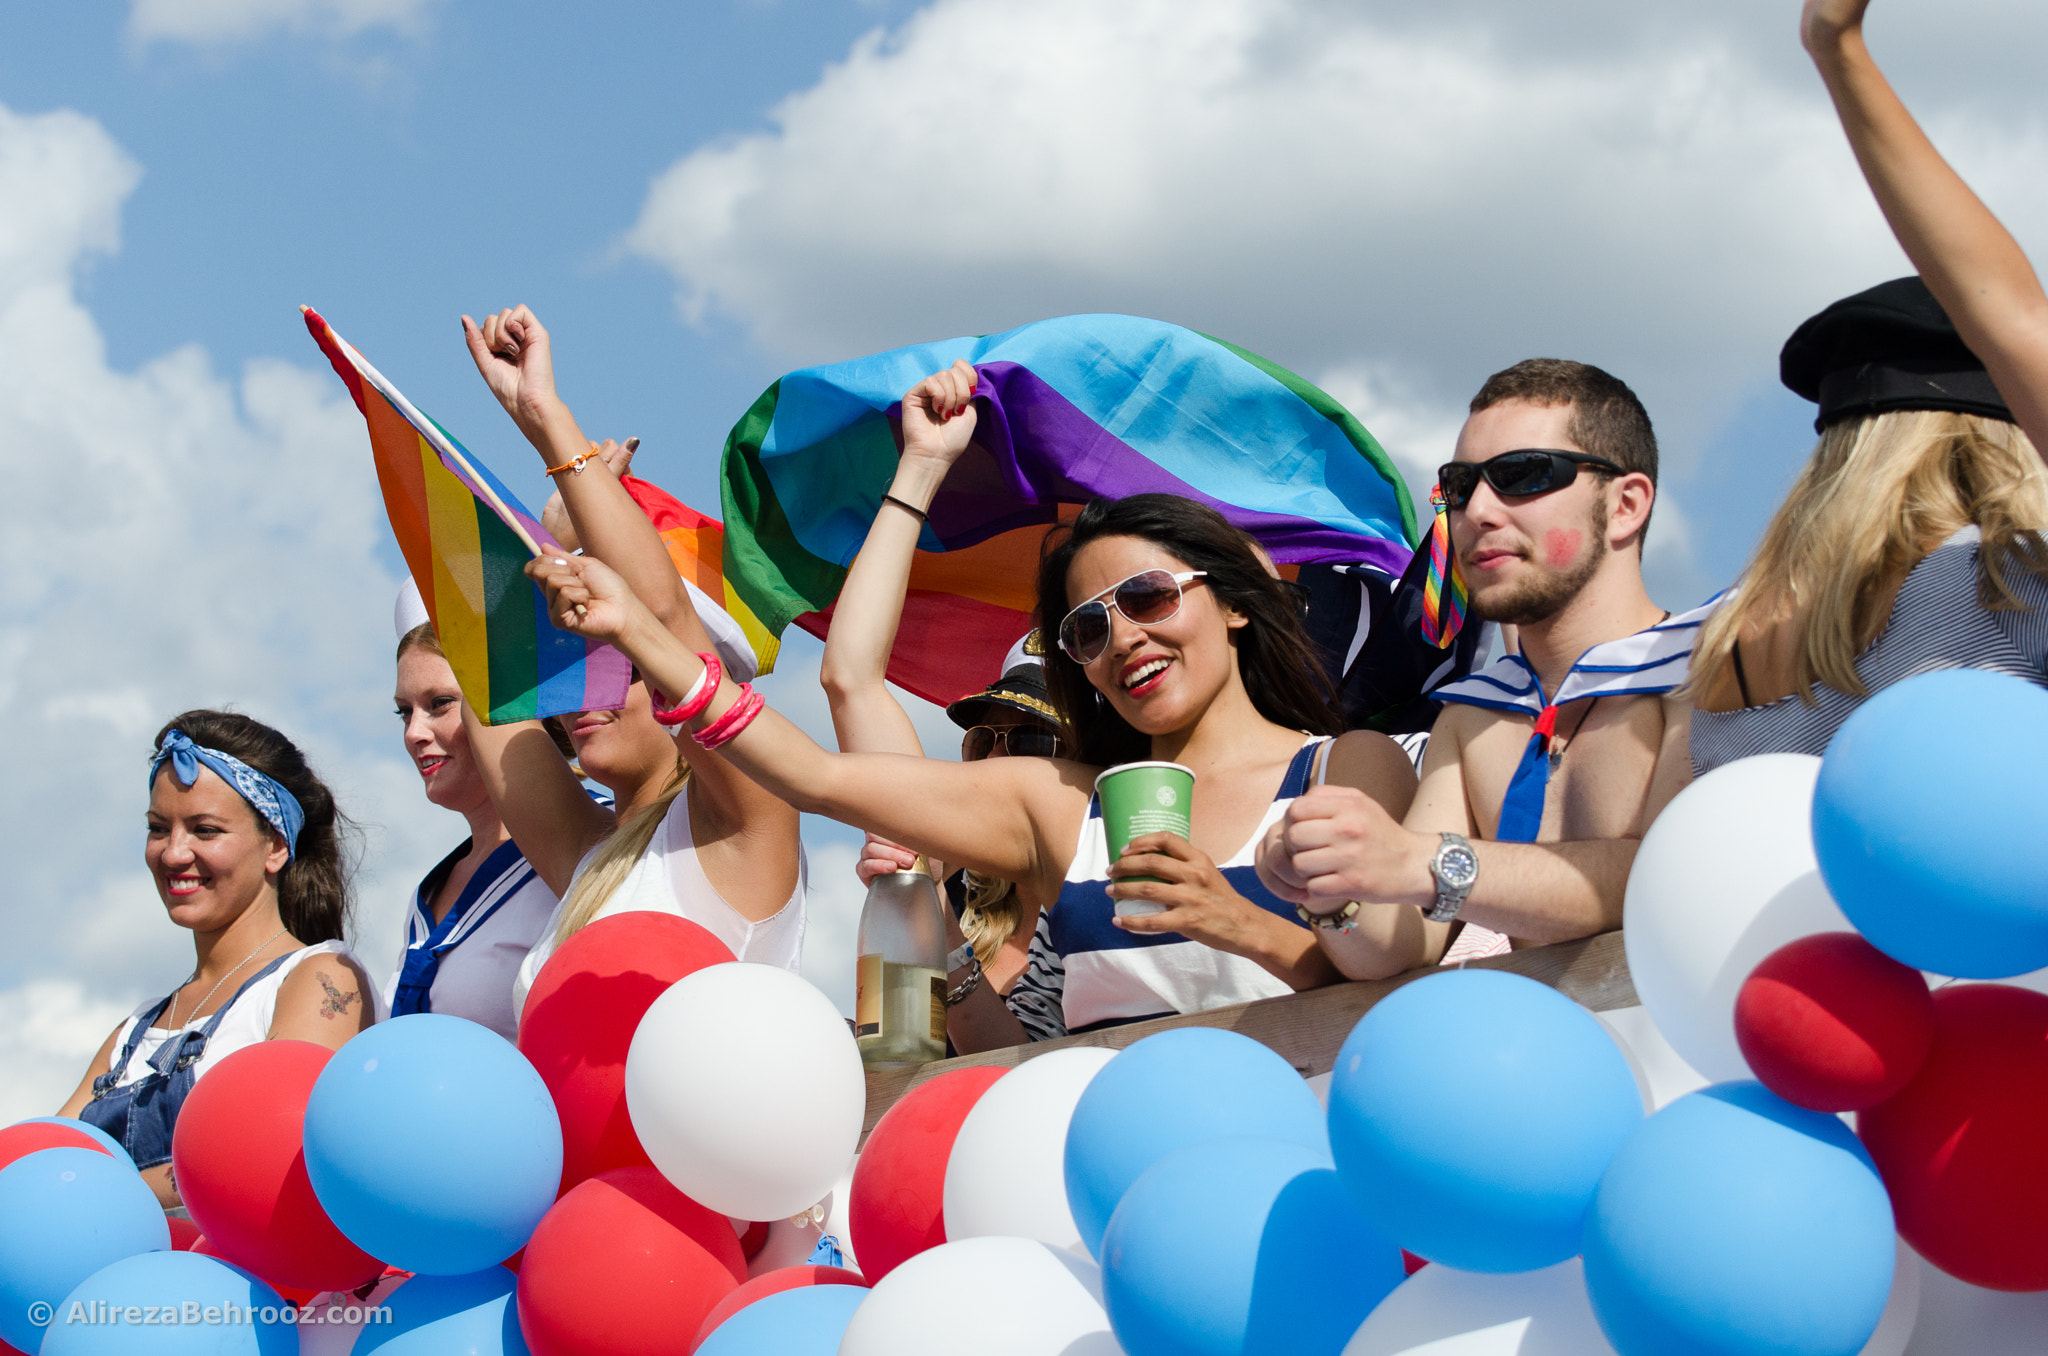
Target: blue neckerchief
(428,941)
(1648,663)
(268,797)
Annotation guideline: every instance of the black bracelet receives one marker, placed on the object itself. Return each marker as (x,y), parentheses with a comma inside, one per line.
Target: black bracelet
(911,509)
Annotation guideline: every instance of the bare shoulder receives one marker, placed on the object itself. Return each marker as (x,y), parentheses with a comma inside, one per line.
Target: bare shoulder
(323,993)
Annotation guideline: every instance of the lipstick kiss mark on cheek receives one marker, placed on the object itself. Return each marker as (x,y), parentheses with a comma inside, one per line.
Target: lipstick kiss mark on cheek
(1561,545)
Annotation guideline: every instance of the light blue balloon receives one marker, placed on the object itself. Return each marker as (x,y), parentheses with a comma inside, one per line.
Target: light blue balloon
(433,1144)
(1174,1089)
(806,1321)
(65,1214)
(1924,821)
(1472,1113)
(1734,1222)
(1239,1247)
(92,1132)
(473,1315)
(172,1304)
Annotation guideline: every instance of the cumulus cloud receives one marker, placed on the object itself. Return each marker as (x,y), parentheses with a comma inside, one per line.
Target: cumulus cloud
(1423,193)
(218,22)
(175,538)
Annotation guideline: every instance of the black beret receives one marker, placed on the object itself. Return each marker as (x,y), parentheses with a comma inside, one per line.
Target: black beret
(1890,348)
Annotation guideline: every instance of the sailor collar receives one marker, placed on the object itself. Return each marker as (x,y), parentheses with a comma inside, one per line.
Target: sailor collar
(1648,663)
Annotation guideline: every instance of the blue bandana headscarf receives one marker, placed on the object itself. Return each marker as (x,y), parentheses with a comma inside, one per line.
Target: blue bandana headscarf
(264,794)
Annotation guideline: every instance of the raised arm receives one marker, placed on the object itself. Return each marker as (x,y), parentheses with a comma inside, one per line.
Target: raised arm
(1011,817)
(513,352)
(545,808)
(1970,262)
(938,423)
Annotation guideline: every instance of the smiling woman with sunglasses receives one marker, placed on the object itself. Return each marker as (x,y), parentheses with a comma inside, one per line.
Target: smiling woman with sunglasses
(1221,679)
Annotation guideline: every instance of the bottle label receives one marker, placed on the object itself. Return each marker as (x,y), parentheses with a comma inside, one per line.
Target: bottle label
(867,1001)
(939,1010)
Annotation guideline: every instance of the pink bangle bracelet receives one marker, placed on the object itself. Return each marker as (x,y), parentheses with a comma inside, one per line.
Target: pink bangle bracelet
(737,717)
(692,707)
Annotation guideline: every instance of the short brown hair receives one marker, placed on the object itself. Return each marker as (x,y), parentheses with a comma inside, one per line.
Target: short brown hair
(1607,419)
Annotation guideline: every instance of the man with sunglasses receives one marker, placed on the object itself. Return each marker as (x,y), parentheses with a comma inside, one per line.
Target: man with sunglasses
(1537,779)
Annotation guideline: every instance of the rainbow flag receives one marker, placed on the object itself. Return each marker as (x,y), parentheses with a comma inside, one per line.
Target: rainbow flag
(696,547)
(467,539)
(1069,409)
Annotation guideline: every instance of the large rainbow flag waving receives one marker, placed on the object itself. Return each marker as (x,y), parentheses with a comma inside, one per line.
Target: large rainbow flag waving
(467,539)
(1069,409)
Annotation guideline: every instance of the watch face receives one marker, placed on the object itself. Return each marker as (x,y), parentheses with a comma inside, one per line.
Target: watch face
(1457,867)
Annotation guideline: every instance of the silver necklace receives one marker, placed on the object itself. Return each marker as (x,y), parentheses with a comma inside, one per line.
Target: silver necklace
(173,1026)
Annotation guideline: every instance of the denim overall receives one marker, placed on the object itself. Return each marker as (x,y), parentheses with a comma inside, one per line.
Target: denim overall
(143,1114)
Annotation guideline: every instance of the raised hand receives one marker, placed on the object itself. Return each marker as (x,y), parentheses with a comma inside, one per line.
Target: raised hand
(939,415)
(554,515)
(1823,22)
(586,597)
(511,350)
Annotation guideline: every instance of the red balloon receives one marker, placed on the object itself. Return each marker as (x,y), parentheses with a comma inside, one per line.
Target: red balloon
(754,1239)
(580,1017)
(1831,1023)
(241,1170)
(896,1208)
(184,1233)
(1960,1146)
(625,1265)
(18,1141)
(773,1283)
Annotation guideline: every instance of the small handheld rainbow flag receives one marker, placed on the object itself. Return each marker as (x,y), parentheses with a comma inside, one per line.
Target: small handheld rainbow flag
(467,539)
(1444,591)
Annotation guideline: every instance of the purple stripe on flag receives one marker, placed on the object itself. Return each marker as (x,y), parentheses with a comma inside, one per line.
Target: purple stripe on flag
(1082,460)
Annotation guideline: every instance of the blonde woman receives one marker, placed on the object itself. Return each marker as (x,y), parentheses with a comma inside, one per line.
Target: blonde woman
(691,835)
(1911,540)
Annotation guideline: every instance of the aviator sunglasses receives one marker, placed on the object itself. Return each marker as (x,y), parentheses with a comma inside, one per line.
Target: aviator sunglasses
(1019,741)
(1532,470)
(1147,597)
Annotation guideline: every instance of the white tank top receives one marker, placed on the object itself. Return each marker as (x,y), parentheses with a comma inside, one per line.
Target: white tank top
(668,878)
(246,1023)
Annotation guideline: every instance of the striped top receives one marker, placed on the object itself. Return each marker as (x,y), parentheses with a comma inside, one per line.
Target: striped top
(1085,972)
(1936,623)
(1648,663)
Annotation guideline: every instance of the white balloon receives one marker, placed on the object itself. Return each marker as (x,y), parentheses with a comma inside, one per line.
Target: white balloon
(1443,1312)
(1661,1075)
(1901,1309)
(746,1090)
(951,1299)
(1960,1319)
(1724,877)
(1007,1176)
(792,1241)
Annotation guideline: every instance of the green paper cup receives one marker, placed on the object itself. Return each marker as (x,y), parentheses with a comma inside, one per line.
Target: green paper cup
(1142,798)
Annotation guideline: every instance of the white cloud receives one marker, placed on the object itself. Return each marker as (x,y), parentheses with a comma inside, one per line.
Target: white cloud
(1423,194)
(174,539)
(218,22)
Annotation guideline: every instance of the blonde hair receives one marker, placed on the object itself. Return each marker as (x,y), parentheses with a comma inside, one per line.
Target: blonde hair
(616,857)
(992,913)
(421,637)
(1875,497)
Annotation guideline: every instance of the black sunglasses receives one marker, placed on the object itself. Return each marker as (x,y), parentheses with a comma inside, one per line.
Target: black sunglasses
(1019,741)
(1531,470)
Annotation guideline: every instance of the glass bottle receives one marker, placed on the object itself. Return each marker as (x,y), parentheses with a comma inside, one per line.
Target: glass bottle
(900,983)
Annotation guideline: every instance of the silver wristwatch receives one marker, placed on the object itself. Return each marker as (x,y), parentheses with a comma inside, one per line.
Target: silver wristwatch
(1455,867)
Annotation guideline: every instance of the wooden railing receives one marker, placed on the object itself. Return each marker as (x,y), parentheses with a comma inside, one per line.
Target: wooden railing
(1306,1029)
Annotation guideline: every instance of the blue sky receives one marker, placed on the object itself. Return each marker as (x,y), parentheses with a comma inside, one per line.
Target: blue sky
(1394,200)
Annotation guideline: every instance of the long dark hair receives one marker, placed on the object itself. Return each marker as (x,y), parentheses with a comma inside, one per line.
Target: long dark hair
(1281,672)
(313,891)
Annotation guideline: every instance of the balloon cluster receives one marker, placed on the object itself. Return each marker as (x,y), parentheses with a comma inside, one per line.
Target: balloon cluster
(666,1162)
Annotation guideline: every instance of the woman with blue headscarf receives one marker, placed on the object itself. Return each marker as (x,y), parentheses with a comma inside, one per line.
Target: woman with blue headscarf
(244,844)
